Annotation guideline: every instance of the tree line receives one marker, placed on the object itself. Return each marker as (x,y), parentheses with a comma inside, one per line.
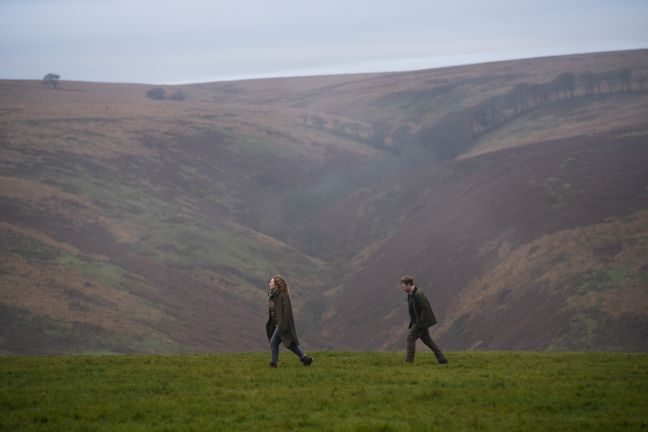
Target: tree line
(456,131)
(524,97)
(375,134)
(452,134)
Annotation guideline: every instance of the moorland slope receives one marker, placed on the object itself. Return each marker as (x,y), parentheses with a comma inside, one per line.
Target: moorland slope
(516,193)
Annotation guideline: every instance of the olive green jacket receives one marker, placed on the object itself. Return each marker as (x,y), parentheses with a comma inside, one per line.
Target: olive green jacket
(285,320)
(421,315)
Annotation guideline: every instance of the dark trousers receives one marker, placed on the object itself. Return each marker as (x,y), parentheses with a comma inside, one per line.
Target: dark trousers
(424,335)
(275,341)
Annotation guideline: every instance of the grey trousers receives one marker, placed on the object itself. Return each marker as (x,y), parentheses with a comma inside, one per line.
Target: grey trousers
(424,335)
(275,340)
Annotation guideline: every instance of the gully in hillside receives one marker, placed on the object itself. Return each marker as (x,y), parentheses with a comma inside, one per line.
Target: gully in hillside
(281,325)
(421,319)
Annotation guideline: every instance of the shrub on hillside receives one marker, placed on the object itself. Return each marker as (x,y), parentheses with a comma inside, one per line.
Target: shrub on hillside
(156,93)
(51,79)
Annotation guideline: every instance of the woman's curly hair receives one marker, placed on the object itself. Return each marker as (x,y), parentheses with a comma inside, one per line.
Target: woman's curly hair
(280,283)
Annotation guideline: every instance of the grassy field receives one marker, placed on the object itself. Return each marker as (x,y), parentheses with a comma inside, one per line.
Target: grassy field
(340,391)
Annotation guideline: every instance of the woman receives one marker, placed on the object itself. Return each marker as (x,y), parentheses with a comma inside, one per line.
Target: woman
(281,326)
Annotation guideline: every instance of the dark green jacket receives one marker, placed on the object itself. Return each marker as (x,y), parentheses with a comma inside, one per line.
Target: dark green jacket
(421,315)
(285,320)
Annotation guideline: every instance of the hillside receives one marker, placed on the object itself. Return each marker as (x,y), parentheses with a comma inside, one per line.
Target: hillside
(127,223)
(532,248)
(132,224)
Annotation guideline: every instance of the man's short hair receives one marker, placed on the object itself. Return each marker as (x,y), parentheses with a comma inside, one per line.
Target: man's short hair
(407,280)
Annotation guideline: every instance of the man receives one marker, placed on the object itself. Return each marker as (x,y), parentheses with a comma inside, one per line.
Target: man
(421,318)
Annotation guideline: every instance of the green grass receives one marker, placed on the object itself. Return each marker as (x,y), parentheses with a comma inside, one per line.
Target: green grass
(341,391)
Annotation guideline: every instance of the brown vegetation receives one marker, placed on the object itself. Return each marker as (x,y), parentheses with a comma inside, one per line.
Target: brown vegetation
(134,224)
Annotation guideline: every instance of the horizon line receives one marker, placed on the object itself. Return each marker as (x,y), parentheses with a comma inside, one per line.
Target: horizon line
(288,75)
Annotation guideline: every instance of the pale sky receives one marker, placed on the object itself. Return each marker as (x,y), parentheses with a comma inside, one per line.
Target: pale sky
(182,41)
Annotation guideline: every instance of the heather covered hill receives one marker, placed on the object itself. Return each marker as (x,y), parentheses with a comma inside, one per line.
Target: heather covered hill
(454,103)
(149,218)
(131,224)
(540,247)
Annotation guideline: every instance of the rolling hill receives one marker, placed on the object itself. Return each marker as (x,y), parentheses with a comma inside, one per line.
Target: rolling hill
(133,224)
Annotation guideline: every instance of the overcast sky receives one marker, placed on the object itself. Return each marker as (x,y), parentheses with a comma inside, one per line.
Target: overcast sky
(158,41)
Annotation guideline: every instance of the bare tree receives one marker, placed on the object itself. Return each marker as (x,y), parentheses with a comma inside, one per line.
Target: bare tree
(625,79)
(598,83)
(566,83)
(520,95)
(51,79)
(540,94)
(569,79)
(611,80)
(590,81)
